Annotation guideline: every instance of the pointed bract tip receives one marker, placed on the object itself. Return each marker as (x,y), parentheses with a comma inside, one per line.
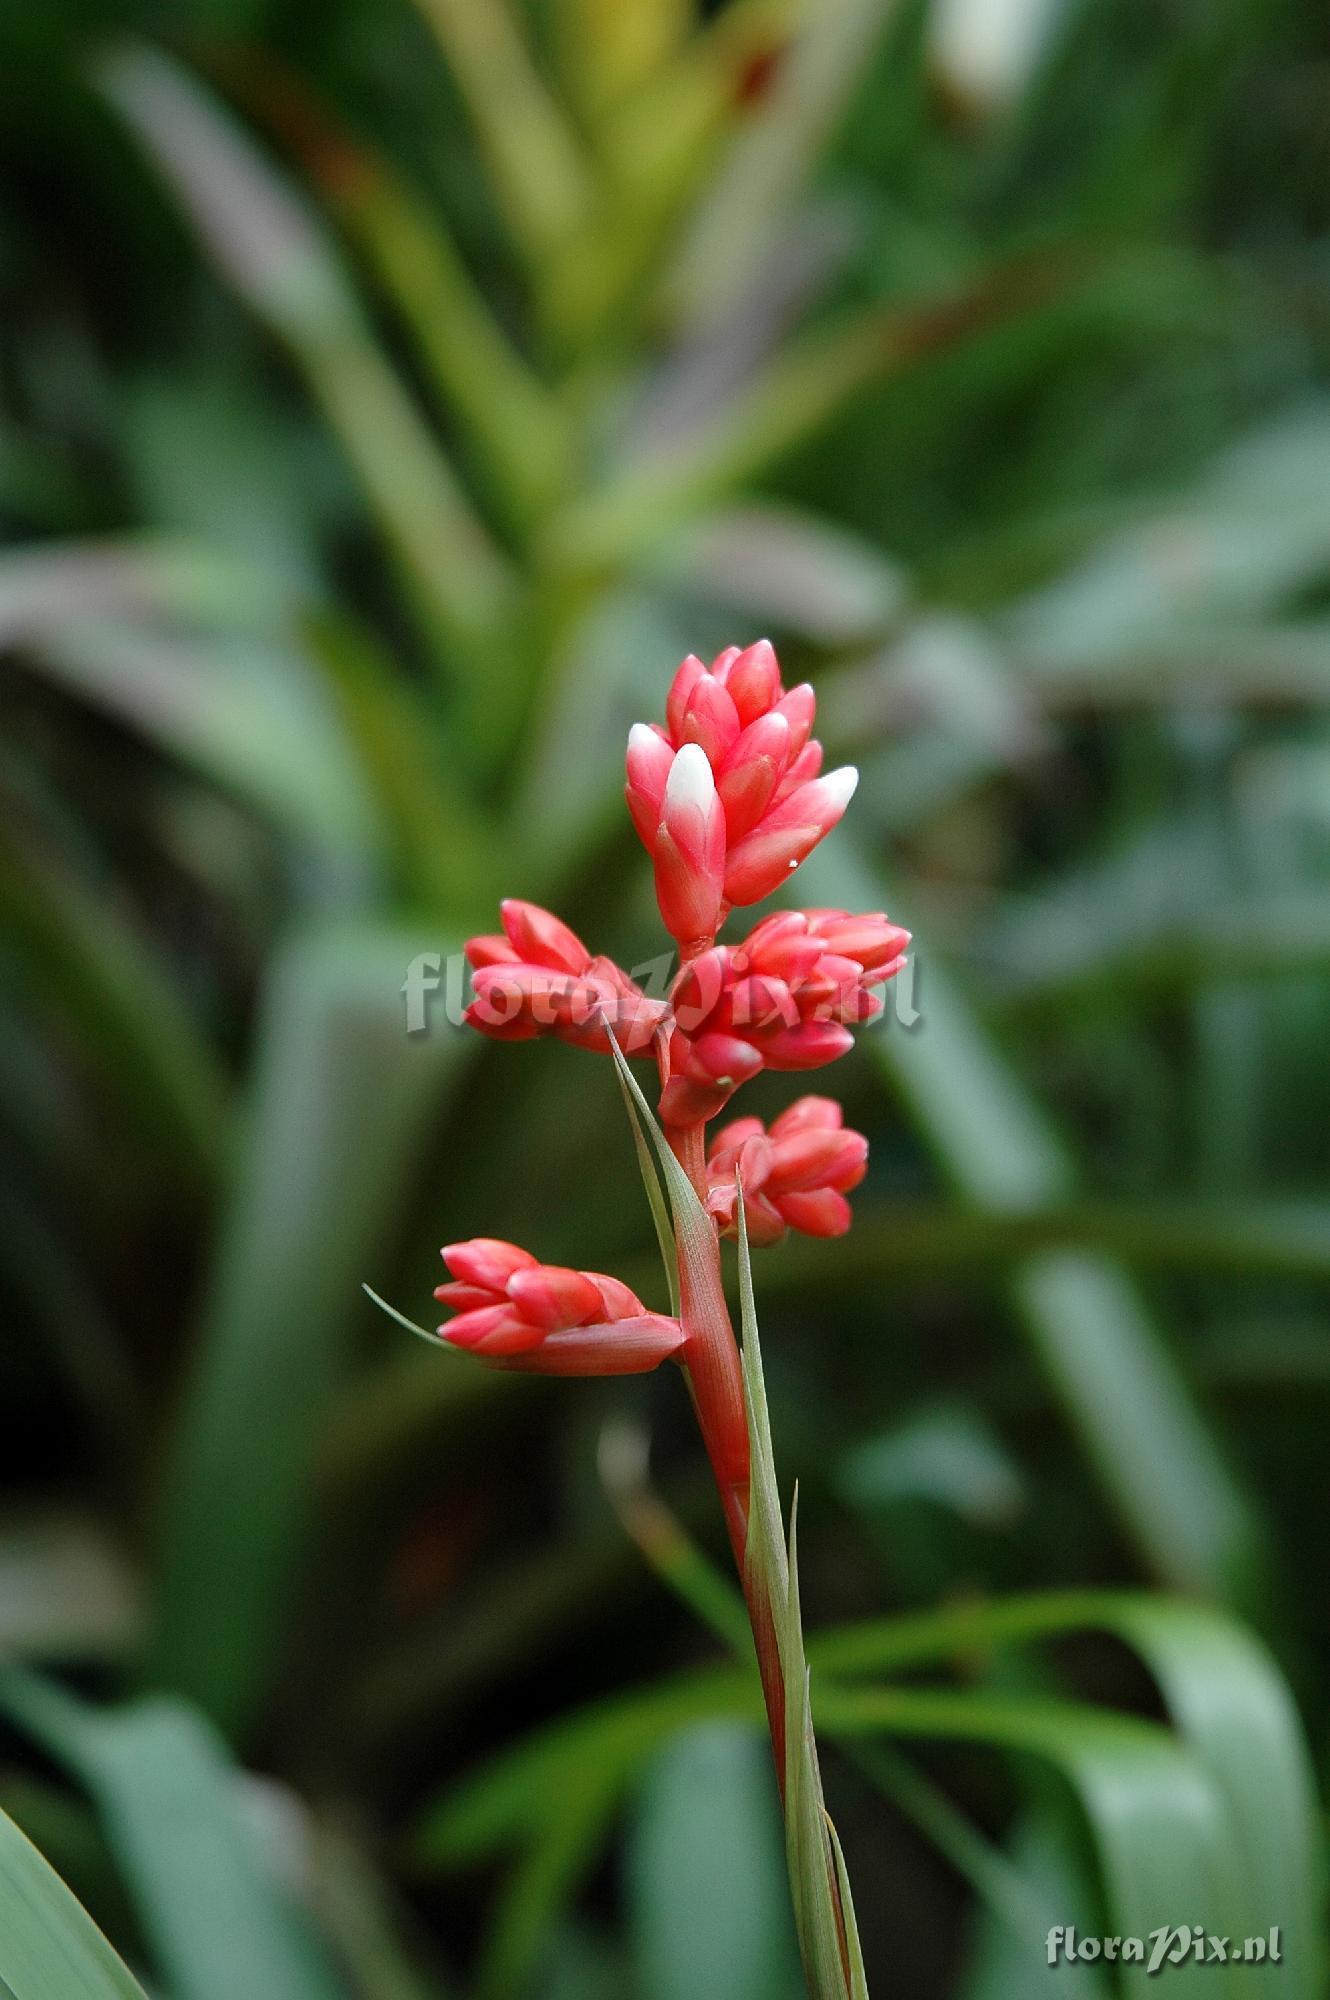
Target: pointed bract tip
(841,784)
(690,782)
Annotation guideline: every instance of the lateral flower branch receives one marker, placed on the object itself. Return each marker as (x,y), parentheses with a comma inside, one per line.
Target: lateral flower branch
(728,797)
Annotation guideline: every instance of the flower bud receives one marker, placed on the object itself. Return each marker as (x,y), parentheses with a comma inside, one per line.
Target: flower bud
(538,978)
(752,679)
(649,758)
(751,771)
(757,742)
(760,862)
(689,849)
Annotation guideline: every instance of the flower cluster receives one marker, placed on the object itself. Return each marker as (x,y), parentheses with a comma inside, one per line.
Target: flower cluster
(727,796)
(536,977)
(794,1176)
(516,1313)
(784,999)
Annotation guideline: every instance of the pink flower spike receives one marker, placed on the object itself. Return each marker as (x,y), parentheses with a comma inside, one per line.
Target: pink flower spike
(546,1319)
(539,979)
(801,770)
(689,850)
(491,1330)
(731,1139)
(813,1159)
(463,1298)
(820,1114)
(799,708)
(809,1046)
(616,1300)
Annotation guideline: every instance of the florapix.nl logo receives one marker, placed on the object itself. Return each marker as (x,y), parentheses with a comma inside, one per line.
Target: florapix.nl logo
(436,993)
(1170,1945)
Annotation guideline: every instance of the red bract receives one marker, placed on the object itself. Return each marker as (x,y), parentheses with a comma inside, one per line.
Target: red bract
(538,978)
(784,999)
(765,768)
(513,1312)
(794,1176)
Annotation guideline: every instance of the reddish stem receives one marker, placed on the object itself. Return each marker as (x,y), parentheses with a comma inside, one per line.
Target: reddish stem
(715,1379)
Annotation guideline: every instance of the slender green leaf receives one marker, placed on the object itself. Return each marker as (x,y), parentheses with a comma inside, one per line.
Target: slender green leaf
(521,433)
(50,1949)
(539,176)
(338,1104)
(208,1895)
(1225,1697)
(1011,1957)
(1214,1819)
(738,223)
(272,250)
(708,1909)
(89,965)
(251,714)
(1164,1838)
(823,1923)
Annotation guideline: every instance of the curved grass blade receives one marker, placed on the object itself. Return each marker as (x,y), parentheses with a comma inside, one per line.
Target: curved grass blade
(538,172)
(272,250)
(1164,1837)
(1225,1697)
(210,1903)
(50,1949)
(1213,1820)
(698,1582)
(412,1326)
(521,434)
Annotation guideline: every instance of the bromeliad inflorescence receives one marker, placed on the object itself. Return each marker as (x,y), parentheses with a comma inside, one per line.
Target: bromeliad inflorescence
(728,798)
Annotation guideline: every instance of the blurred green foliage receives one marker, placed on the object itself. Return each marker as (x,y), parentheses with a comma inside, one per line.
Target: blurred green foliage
(390,396)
